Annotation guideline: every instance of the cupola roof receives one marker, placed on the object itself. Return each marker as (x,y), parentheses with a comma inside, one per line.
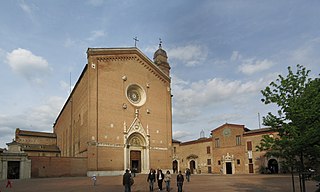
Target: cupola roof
(160,51)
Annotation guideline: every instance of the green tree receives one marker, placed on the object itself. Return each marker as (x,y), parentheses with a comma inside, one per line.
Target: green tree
(297,121)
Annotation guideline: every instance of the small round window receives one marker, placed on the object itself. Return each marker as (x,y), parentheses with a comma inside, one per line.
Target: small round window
(136,95)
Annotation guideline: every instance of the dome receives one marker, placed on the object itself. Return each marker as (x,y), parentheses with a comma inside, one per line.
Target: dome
(160,51)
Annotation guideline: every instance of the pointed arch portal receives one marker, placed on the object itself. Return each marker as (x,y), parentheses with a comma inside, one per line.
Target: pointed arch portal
(137,158)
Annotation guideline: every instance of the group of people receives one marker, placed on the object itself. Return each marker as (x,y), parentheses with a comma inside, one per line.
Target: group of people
(156,176)
(160,177)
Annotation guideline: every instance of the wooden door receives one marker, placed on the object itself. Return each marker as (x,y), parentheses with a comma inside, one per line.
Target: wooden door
(135,161)
(250,168)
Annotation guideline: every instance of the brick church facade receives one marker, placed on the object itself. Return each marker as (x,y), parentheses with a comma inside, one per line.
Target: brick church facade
(119,114)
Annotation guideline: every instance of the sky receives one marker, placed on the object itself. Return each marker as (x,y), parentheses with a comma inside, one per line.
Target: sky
(222,53)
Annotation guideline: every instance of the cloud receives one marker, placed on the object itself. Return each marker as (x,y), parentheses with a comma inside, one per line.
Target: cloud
(66,87)
(235,56)
(70,43)
(26,8)
(181,134)
(7,133)
(95,35)
(25,63)
(251,66)
(74,43)
(191,99)
(38,118)
(306,54)
(189,55)
(213,90)
(45,114)
(151,49)
(228,118)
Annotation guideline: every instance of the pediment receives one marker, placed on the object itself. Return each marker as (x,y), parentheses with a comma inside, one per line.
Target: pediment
(136,127)
(104,54)
(228,157)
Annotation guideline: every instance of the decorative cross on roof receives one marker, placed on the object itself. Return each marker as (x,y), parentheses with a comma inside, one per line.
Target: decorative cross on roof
(160,44)
(135,41)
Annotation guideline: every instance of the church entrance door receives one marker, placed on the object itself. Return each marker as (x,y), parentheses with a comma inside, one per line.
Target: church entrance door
(192,166)
(228,168)
(13,170)
(135,160)
(137,153)
(175,166)
(273,166)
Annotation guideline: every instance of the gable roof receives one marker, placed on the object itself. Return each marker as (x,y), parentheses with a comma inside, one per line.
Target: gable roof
(175,141)
(20,132)
(259,131)
(233,125)
(200,140)
(128,50)
(40,148)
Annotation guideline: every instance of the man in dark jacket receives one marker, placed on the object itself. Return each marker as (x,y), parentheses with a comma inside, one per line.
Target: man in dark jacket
(180,180)
(188,173)
(127,181)
(160,177)
(151,178)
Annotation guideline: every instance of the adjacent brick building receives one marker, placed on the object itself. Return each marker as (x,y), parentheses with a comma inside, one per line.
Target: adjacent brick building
(37,143)
(230,150)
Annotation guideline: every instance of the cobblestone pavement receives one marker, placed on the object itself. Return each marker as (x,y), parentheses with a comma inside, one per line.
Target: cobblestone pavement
(198,183)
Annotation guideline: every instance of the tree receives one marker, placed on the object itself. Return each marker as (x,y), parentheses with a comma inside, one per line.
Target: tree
(297,121)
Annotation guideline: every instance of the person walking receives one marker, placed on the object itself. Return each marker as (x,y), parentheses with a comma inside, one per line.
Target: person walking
(151,178)
(126,181)
(188,173)
(160,177)
(134,171)
(9,183)
(174,169)
(180,180)
(94,179)
(167,179)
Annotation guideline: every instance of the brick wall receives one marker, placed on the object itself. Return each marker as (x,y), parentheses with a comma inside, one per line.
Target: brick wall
(58,166)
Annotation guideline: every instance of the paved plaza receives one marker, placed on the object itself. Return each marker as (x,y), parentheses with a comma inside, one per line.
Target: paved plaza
(198,183)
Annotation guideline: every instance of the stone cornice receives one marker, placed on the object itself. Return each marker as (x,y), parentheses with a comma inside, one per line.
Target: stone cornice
(118,54)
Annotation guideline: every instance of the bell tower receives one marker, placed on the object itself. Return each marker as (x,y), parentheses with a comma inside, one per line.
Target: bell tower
(160,58)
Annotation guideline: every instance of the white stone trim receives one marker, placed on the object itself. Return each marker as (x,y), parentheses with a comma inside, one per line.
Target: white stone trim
(105,173)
